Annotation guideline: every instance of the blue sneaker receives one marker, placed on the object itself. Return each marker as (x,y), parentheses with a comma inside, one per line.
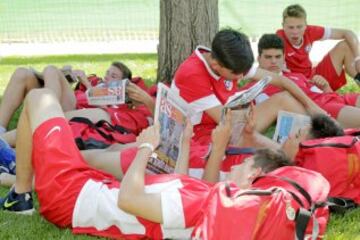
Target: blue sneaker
(7,157)
(18,203)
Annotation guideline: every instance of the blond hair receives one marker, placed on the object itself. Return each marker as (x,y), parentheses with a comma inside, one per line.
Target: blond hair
(295,11)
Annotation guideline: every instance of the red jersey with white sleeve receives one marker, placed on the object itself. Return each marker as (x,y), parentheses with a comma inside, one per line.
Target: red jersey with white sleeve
(73,194)
(203,89)
(182,200)
(331,102)
(297,57)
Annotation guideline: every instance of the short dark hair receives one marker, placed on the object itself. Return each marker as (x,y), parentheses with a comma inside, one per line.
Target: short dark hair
(124,69)
(323,126)
(232,50)
(269,41)
(295,10)
(269,159)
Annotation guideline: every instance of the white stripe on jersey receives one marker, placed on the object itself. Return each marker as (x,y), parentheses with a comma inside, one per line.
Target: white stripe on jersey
(200,105)
(96,207)
(327,33)
(198,173)
(205,103)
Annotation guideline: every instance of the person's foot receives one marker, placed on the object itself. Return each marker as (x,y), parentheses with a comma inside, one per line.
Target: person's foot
(18,203)
(7,157)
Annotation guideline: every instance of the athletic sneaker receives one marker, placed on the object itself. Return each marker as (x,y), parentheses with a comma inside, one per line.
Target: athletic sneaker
(7,157)
(18,203)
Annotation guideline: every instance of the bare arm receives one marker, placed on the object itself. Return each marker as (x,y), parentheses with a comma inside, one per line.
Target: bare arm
(139,96)
(352,40)
(220,138)
(291,87)
(215,113)
(80,74)
(182,165)
(132,196)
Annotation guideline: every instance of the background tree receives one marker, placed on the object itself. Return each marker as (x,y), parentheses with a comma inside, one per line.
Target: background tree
(184,24)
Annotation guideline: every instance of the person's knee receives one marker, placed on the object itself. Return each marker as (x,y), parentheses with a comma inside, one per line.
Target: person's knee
(51,69)
(22,73)
(343,47)
(36,96)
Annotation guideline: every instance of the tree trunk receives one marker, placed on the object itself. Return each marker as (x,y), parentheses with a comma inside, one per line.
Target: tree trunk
(184,24)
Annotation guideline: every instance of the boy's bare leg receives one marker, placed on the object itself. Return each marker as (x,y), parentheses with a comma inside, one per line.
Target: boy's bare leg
(40,105)
(342,55)
(94,114)
(267,111)
(21,82)
(349,117)
(55,80)
(107,161)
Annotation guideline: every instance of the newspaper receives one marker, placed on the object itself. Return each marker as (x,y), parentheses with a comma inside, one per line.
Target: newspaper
(289,123)
(243,98)
(112,93)
(171,112)
(239,103)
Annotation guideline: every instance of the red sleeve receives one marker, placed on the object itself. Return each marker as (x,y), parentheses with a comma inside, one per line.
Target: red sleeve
(193,86)
(315,32)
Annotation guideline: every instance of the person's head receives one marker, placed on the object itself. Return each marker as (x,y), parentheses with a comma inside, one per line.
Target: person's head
(231,54)
(262,162)
(323,126)
(117,71)
(271,53)
(294,23)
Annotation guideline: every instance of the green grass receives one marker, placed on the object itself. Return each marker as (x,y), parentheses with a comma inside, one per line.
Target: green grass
(34,227)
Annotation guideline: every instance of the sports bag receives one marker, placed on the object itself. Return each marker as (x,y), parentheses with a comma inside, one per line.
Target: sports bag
(337,159)
(98,135)
(288,203)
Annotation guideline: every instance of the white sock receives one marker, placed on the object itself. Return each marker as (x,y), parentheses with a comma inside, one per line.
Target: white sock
(2,130)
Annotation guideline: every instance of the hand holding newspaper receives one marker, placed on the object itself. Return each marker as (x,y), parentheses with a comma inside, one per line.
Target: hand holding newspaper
(240,102)
(289,123)
(112,93)
(171,111)
(243,98)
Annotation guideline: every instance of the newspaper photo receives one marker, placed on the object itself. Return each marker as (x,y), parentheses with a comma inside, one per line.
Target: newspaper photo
(112,93)
(243,98)
(289,123)
(171,112)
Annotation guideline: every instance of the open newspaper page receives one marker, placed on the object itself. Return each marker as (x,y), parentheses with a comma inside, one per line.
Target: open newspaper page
(243,98)
(112,93)
(239,103)
(289,123)
(171,112)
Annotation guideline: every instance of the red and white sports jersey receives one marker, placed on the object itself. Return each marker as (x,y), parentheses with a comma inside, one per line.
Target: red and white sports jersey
(297,57)
(182,198)
(203,89)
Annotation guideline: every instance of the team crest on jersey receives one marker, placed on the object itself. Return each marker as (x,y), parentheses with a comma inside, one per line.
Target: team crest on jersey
(228,84)
(308,48)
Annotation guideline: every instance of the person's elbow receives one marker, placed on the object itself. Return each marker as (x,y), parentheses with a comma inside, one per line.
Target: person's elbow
(125,201)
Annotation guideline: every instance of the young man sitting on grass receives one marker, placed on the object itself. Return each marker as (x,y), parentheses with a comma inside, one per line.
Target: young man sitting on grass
(209,77)
(344,108)
(72,194)
(298,38)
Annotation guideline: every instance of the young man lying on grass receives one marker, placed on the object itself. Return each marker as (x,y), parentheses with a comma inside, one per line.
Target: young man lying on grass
(72,194)
(23,80)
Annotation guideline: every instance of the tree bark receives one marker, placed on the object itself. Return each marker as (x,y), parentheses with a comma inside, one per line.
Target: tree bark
(184,24)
